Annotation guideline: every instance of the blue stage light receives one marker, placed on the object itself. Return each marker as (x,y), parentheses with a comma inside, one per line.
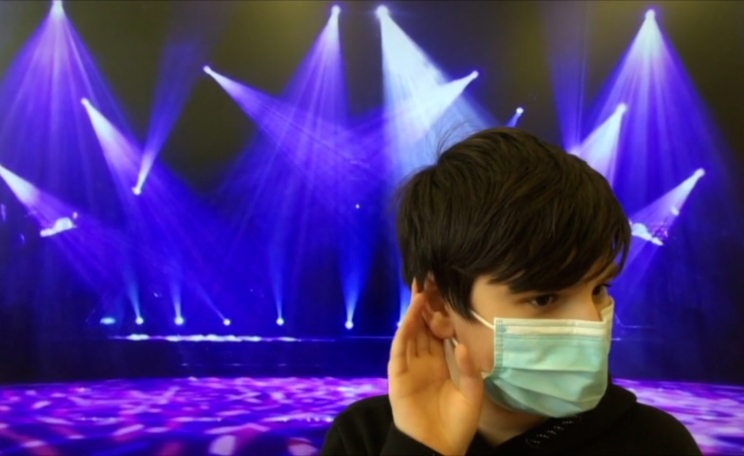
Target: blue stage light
(349,324)
(226,322)
(179,321)
(108,321)
(139,320)
(280,321)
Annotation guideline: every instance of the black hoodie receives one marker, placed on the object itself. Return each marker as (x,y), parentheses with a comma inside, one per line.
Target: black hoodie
(618,425)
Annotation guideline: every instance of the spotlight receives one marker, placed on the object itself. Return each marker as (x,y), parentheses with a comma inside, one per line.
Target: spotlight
(357,206)
(137,190)
(349,324)
(179,321)
(58,11)
(280,321)
(520,110)
(699,173)
(621,108)
(139,320)
(207,69)
(85,102)
(650,15)
(674,210)
(108,321)
(382,10)
(336,10)
(226,322)
(474,74)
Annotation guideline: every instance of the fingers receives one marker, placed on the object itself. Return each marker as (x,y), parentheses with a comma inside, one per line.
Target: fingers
(423,333)
(404,342)
(470,382)
(436,346)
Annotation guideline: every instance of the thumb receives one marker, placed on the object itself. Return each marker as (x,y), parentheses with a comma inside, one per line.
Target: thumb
(471,382)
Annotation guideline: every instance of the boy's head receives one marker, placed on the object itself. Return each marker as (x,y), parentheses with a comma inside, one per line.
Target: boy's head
(506,225)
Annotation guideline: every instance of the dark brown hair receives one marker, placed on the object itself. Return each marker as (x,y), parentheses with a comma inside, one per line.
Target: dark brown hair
(506,204)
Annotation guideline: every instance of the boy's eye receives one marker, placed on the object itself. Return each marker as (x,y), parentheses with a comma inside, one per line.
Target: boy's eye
(544,300)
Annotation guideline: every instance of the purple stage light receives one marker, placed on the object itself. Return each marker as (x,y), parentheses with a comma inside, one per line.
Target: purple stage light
(58,10)
(665,127)
(421,102)
(515,118)
(122,155)
(159,217)
(600,149)
(93,250)
(195,29)
(654,222)
(306,127)
(415,118)
(335,10)
(60,225)
(54,148)
(53,215)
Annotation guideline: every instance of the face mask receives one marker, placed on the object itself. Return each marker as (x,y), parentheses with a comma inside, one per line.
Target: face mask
(549,367)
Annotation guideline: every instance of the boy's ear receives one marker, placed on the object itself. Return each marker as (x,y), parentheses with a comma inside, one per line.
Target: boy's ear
(437,313)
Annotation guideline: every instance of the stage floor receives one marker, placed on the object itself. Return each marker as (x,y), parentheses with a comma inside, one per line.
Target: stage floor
(263,416)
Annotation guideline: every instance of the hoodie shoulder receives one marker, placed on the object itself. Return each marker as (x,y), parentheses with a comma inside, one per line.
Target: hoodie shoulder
(621,425)
(666,434)
(375,409)
(361,428)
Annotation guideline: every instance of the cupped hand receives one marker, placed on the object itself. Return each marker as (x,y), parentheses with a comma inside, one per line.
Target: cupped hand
(427,405)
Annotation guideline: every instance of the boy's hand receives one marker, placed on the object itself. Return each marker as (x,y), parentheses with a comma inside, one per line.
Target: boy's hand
(427,406)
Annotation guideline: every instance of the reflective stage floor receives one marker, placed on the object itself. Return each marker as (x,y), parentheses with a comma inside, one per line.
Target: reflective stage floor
(263,416)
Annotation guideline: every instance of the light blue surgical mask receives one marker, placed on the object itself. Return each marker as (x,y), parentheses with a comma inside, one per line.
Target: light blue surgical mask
(549,367)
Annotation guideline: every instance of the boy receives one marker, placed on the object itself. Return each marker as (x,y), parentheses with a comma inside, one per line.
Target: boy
(510,244)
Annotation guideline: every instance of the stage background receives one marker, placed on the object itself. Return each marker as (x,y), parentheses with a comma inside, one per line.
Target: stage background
(266,212)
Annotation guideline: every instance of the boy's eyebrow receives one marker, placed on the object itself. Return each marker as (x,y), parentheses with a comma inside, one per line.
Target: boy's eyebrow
(610,272)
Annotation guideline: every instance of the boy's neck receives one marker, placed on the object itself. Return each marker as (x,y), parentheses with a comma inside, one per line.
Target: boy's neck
(497,425)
